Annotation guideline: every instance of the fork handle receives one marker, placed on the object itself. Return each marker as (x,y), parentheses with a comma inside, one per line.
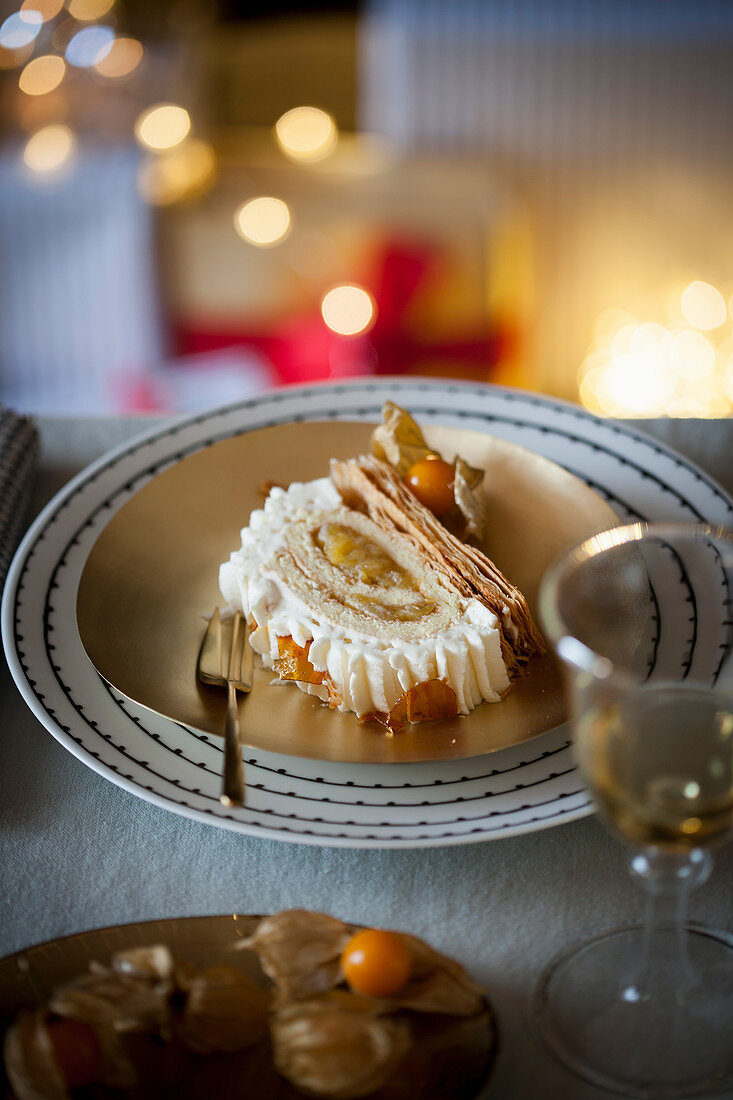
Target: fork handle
(232,791)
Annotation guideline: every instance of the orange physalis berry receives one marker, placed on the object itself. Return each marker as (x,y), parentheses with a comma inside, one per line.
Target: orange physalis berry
(431,480)
(376,963)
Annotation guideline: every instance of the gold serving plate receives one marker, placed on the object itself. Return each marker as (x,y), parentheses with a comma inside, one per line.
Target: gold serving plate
(152,577)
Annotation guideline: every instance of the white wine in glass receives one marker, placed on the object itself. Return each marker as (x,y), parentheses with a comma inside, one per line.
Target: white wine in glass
(642,618)
(660,764)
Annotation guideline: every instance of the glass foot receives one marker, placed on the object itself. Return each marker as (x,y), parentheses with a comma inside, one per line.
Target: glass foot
(661,1032)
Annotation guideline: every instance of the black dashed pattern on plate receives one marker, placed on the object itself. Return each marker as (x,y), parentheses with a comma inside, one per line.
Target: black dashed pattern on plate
(515,790)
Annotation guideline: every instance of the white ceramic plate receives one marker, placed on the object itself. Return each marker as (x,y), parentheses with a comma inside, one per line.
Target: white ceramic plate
(516,790)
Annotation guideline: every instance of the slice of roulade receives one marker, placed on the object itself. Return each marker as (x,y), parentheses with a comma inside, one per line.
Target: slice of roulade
(374,487)
(357,593)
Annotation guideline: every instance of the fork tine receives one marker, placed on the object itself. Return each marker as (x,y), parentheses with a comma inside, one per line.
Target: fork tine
(242,658)
(235,651)
(210,654)
(218,641)
(223,659)
(247,663)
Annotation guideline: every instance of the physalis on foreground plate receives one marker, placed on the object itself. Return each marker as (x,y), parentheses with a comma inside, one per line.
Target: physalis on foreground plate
(351,1012)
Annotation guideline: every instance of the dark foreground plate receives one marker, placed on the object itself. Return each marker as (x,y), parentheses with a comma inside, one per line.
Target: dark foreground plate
(460,1065)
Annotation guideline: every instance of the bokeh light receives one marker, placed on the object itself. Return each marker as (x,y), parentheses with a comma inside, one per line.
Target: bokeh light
(651,369)
(348,309)
(306,133)
(86,10)
(124,56)
(47,9)
(20,29)
(49,148)
(12,59)
(634,385)
(163,126)
(89,46)
(181,173)
(263,221)
(694,355)
(42,75)
(703,305)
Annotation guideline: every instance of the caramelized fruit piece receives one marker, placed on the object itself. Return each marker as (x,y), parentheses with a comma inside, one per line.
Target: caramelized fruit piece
(376,963)
(293,663)
(335,698)
(431,480)
(424,702)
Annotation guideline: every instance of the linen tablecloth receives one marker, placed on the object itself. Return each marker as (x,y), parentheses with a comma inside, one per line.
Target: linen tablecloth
(77,852)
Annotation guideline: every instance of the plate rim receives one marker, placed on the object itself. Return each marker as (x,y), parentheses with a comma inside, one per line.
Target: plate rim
(172,427)
(55,941)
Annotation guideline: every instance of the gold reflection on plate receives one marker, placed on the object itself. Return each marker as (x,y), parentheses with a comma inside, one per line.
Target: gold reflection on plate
(152,577)
(29,978)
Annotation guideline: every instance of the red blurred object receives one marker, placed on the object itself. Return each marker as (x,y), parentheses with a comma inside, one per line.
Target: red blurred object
(304,349)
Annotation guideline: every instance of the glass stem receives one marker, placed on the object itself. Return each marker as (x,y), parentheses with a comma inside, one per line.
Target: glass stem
(663,969)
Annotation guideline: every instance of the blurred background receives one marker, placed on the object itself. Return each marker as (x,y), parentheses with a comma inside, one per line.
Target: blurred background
(201,201)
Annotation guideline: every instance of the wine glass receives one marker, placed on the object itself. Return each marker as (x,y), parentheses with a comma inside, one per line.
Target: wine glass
(642,619)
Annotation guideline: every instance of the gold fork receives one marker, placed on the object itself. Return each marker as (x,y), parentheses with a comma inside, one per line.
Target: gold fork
(226,660)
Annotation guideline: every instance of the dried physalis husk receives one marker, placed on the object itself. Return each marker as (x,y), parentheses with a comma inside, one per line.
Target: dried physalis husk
(337,1045)
(400,442)
(436,983)
(225,1011)
(300,950)
(117,1001)
(152,964)
(30,1057)
(466,482)
(30,1064)
(134,997)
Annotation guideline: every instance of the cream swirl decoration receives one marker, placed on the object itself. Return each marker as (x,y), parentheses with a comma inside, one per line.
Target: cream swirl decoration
(377,617)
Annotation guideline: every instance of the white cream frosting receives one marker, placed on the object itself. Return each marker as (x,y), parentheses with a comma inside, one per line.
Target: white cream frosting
(369,673)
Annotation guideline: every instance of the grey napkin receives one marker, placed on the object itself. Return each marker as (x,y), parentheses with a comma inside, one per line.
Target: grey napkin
(19,447)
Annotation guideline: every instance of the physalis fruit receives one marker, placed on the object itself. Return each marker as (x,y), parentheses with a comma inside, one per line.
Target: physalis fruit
(376,963)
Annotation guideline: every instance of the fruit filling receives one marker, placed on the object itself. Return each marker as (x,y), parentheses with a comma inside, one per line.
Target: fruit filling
(362,560)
